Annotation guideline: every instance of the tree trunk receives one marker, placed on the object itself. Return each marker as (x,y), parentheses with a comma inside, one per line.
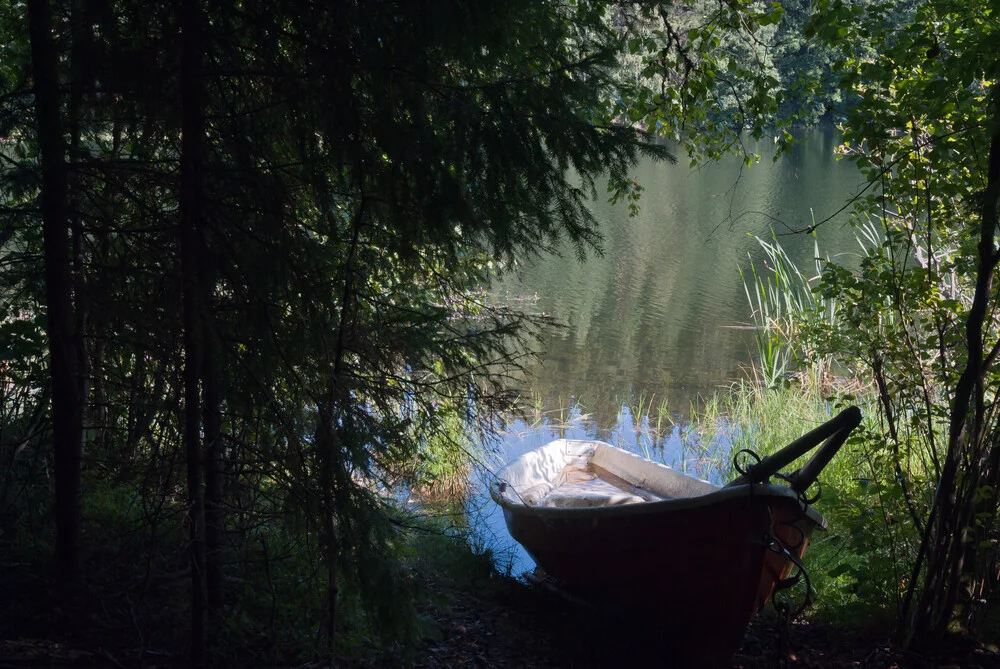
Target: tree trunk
(953,504)
(66,427)
(328,437)
(214,517)
(192,132)
(80,302)
(327,449)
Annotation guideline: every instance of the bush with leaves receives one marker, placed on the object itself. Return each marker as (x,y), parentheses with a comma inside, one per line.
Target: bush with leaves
(916,318)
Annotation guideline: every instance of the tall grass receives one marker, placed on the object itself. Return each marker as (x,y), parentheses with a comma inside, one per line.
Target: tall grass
(749,416)
(781,297)
(650,418)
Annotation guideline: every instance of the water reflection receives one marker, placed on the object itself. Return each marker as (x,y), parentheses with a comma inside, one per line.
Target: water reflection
(663,314)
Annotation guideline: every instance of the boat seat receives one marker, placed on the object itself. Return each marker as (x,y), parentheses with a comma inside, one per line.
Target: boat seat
(578,485)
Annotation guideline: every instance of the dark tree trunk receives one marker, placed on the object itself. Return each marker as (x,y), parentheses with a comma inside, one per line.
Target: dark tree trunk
(66,422)
(329,432)
(98,296)
(99,407)
(214,517)
(136,412)
(192,132)
(327,448)
(81,302)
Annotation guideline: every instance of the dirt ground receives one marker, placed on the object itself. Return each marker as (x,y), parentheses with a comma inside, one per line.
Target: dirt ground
(511,625)
(526,628)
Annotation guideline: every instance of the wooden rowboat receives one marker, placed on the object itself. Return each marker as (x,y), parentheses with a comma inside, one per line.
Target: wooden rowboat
(634,535)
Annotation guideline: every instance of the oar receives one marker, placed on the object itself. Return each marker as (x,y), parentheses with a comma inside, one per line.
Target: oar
(834,432)
(800,480)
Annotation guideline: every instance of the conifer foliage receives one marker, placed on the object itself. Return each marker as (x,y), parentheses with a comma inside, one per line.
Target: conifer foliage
(262,227)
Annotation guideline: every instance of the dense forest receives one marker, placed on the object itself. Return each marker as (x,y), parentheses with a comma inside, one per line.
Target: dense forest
(244,251)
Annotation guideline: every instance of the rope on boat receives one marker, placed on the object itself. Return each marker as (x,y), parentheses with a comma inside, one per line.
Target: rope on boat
(736,461)
(800,575)
(776,545)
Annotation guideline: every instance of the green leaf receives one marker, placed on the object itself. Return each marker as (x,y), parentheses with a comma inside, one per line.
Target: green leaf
(840,570)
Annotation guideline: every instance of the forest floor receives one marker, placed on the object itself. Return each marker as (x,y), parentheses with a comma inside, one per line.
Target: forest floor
(515,625)
(470,618)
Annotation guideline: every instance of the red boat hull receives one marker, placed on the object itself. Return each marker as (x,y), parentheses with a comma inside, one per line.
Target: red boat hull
(699,571)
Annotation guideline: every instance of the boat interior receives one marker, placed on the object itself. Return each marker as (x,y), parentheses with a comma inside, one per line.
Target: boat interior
(573,473)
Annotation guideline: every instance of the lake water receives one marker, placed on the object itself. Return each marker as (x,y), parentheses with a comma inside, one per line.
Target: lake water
(661,317)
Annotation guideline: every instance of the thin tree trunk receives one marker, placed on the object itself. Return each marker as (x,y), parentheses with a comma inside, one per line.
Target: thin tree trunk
(984,453)
(327,450)
(81,303)
(58,292)
(136,413)
(328,441)
(99,409)
(946,549)
(192,132)
(98,296)
(214,517)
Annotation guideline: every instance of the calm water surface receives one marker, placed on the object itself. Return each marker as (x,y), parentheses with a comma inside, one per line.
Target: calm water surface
(661,317)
